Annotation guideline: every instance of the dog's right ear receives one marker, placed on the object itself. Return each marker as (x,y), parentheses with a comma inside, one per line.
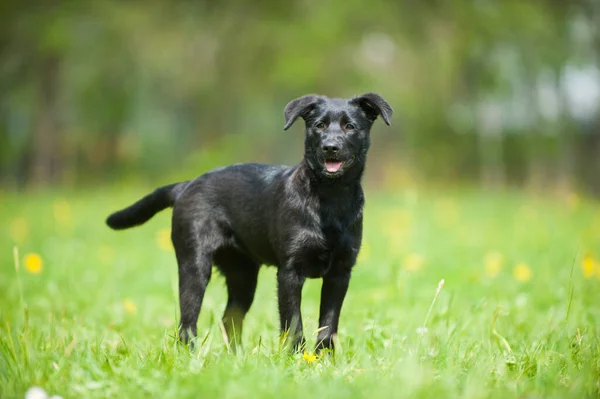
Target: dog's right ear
(299,107)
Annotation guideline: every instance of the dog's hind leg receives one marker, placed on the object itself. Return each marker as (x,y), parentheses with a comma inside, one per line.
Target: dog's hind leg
(194,245)
(241,275)
(194,274)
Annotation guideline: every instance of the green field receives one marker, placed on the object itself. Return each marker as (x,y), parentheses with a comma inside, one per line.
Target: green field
(91,312)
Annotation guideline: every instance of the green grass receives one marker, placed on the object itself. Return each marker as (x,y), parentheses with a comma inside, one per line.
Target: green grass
(99,320)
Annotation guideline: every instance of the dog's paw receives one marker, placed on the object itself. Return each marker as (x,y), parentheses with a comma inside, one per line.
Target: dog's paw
(186,337)
(325,344)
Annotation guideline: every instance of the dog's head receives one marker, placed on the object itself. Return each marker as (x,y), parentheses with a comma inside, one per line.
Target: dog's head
(337,130)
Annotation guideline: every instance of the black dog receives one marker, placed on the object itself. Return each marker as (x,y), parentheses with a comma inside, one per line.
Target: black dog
(305,219)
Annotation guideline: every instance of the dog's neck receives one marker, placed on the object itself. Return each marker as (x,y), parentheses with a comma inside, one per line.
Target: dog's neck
(331,188)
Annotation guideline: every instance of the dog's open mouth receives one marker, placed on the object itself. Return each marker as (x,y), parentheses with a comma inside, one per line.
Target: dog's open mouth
(334,167)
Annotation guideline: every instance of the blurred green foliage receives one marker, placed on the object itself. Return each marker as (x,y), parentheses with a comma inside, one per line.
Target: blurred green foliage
(496,92)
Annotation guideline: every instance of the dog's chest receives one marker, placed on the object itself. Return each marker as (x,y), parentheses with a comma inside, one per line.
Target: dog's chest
(334,243)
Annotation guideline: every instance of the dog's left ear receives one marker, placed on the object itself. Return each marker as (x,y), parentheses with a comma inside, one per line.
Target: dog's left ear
(374,105)
(299,107)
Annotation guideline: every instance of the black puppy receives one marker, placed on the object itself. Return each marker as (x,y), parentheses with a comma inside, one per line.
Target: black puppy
(306,220)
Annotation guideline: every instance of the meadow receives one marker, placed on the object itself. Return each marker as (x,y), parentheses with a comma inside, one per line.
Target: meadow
(86,312)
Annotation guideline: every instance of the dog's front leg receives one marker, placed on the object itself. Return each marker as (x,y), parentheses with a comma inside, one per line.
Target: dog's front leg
(333,293)
(289,292)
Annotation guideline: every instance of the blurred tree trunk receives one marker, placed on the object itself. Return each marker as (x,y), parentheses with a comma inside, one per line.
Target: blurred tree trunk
(595,164)
(535,165)
(490,143)
(488,125)
(556,57)
(594,184)
(491,150)
(45,158)
(566,163)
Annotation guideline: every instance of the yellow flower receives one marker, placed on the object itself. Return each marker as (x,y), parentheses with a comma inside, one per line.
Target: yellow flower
(396,176)
(493,264)
(365,252)
(590,266)
(447,212)
(106,255)
(163,239)
(397,240)
(400,219)
(527,212)
(19,230)
(378,295)
(573,201)
(309,357)
(413,262)
(593,229)
(62,213)
(522,272)
(129,306)
(33,263)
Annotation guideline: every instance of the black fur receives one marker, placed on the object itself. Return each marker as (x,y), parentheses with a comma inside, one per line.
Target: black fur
(304,219)
(144,209)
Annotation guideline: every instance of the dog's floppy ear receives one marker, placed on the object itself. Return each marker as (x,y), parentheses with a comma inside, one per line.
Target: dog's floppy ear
(299,107)
(373,105)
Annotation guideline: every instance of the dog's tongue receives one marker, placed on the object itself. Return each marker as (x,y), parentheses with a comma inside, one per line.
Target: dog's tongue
(333,166)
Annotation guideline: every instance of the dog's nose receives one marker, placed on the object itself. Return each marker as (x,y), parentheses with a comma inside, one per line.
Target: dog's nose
(330,148)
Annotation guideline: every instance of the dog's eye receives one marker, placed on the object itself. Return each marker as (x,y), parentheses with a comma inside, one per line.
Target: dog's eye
(349,126)
(320,125)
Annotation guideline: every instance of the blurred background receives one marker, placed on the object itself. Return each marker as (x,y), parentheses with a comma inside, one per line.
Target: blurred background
(487,93)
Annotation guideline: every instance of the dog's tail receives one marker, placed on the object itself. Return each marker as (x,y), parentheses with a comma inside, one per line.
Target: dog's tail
(144,209)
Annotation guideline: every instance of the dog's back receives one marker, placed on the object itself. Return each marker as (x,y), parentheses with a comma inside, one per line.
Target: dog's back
(240,197)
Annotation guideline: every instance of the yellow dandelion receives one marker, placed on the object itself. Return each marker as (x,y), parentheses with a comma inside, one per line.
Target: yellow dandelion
(397,239)
(378,295)
(474,277)
(413,262)
(593,229)
(400,219)
(493,264)
(573,200)
(163,239)
(590,267)
(106,255)
(61,210)
(447,212)
(365,252)
(394,175)
(19,230)
(522,272)
(33,263)
(309,357)
(527,212)
(397,226)
(129,306)
(400,283)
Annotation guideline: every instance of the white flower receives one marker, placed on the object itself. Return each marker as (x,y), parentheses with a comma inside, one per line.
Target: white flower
(521,300)
(422,331)
(36,393)
(39,393)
